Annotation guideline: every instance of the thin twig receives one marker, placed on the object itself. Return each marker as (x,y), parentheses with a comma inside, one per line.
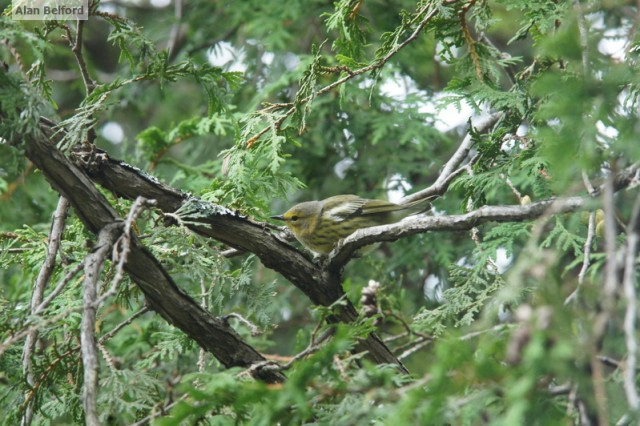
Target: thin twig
(55,236)
(564,389)
(512,186)
(204,304)
(209,44)
(471,43)
(58,288)
(406,325)
(76,48)
(584,38)
(32,392)
(584,414)
(571,405)
(403,347)
(123,324)
(419,344)
(396,337)
(175,28)
(160,412)
(417,384)
(629,286)
(19,335)
(625,420)
(607,298)
(93,265)
(314,345)
(498,327)
(586,258)
(608,361)
(599,391)
(611,269)
(229,253)
(587,183)
(255,330)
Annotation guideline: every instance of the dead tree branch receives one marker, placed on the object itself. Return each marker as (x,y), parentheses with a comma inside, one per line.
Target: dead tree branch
(162,294)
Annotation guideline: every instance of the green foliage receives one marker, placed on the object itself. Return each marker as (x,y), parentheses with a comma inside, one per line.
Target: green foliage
(351,40)
(471,288)
(503,345)
(561,238)
(154,142)
(21,106)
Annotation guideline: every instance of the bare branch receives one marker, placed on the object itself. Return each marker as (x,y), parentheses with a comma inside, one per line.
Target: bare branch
(587,183)
(205,306)
(612,268)
(254,329)
(629,285)
(123,324)
(419,344)
(314,346)
(55,236)
(449,171)
(420,224)
(498,327)
(175,29)
(76,48)
(162,294)
(513,188)
(586,258)
(93,266)
(607,297)
(122,247)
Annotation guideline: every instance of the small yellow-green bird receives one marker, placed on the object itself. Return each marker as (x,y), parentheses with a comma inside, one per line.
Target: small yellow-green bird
(319,225)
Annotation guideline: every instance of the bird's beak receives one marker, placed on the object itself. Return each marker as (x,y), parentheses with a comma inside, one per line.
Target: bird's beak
(278,217)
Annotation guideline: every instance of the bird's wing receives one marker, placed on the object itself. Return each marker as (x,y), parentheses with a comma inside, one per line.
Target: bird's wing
(379,206)
(343,206)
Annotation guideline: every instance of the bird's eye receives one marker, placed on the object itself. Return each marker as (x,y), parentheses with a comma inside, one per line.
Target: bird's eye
(294,218)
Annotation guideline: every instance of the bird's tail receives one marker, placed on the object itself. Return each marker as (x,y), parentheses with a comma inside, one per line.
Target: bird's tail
(421,205)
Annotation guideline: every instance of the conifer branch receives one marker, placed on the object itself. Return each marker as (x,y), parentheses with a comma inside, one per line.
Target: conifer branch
(375,65)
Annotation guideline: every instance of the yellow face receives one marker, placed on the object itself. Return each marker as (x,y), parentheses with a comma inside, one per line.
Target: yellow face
(302,218)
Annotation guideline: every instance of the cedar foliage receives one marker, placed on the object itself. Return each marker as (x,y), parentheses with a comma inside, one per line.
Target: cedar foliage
(304,110)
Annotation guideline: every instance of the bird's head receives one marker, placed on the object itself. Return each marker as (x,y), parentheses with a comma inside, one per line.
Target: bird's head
(301,218)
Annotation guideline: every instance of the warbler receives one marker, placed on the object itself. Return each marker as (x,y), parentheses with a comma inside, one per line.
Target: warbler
(319,225)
